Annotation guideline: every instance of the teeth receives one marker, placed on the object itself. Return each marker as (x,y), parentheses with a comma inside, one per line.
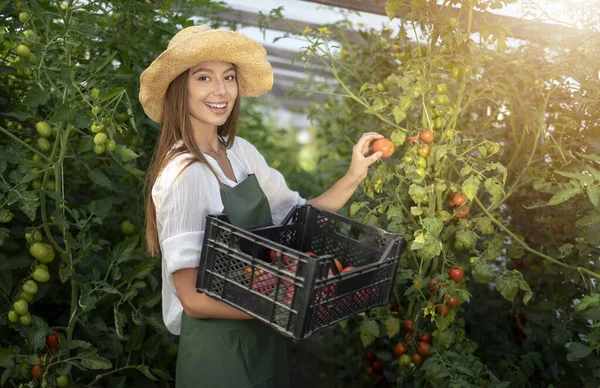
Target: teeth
(218,106)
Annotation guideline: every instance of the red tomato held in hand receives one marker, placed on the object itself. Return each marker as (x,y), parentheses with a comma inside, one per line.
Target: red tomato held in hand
(383,145)
(408,325)
(426,136)
(456,274)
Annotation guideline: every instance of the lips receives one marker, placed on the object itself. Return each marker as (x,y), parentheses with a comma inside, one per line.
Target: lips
(219,109)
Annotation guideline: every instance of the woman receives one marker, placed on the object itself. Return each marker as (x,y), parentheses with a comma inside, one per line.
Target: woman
(201,167)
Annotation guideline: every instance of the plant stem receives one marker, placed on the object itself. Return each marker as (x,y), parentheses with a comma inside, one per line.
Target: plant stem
(527,247)
(25,144)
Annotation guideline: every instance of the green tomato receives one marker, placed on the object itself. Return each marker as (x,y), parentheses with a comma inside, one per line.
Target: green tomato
(21,307)
(422,162)
(111,145)
(100,138)
(43,266)
(437,124)
(23,16)
(455,72)
(44,129)
(13,317)
(96,110)
(459,246)
(404,360)
(25,319)
(408,159)
(44,144)
(99,149)
(95,93)
(37,237)
(441,88)
(62,381)
(421,172)
(97,127)
(26,297)
(443,99)
(122,117)
(49,258)
(23,51)
(30,287)
(41,275)
(127,228)
(36,184)
(33,59)
(39,251)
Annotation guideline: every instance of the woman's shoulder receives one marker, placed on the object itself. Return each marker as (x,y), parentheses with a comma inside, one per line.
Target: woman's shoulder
(177,166)
(242,145)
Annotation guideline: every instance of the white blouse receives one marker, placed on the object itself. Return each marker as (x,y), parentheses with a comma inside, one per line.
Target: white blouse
(182,204)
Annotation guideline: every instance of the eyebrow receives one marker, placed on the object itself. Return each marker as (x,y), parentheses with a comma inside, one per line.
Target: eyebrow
(210,70)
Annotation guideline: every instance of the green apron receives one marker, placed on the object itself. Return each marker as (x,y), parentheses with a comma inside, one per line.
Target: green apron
(215,353)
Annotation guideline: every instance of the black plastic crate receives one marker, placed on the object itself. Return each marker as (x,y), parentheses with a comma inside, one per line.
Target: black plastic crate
(267,273)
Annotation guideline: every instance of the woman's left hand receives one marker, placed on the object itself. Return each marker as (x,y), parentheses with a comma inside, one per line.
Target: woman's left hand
(362,157)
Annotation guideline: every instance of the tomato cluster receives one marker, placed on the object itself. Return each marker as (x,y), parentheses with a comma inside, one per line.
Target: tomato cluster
(375,369)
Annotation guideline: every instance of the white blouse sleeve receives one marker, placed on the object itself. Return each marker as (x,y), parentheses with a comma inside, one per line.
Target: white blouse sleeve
(281,198)
(181,208)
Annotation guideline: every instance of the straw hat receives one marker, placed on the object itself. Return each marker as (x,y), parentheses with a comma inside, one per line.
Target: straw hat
(196,44)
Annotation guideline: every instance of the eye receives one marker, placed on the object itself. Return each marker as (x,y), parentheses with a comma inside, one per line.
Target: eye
(230,77)
(202,78)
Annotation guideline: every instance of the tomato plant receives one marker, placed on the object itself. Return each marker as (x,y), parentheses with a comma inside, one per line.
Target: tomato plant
(485,197)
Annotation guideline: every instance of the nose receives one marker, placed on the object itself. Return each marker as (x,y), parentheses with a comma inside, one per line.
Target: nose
(220,88)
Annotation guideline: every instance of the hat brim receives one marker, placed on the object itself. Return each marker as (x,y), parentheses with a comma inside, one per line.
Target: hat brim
(254,72)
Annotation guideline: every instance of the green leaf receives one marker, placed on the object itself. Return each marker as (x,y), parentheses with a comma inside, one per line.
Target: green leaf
(399,114)
(433,226)
(482,272)
(392,326)
(564,195)
(509,284)
(29,203)
(595,173)
(589,301)
(466,237)
(471,186)
(142,270)
(369,330)
(431,248)
(35,334)
(577,351)
(592,219)
(355,207)
(125,153)
(594,195)
(100,179)
(393,8)
(36,97)
(74,344)
(417,193)
(398,138)
(495,189)
(100,207)
(565,250)
(146,371)
(92,360)
(484,224)
(4,233)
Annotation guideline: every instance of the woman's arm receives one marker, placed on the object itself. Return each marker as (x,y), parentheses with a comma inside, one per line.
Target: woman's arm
(336,197)
(198,305)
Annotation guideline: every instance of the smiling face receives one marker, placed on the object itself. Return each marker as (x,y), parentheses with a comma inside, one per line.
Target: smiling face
(211,89)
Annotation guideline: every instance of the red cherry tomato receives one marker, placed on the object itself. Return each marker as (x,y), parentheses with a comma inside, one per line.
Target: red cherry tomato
(456,274)
(408,325)
(383,145)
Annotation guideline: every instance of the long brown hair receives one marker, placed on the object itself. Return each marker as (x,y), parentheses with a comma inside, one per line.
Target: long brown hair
(177,126)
